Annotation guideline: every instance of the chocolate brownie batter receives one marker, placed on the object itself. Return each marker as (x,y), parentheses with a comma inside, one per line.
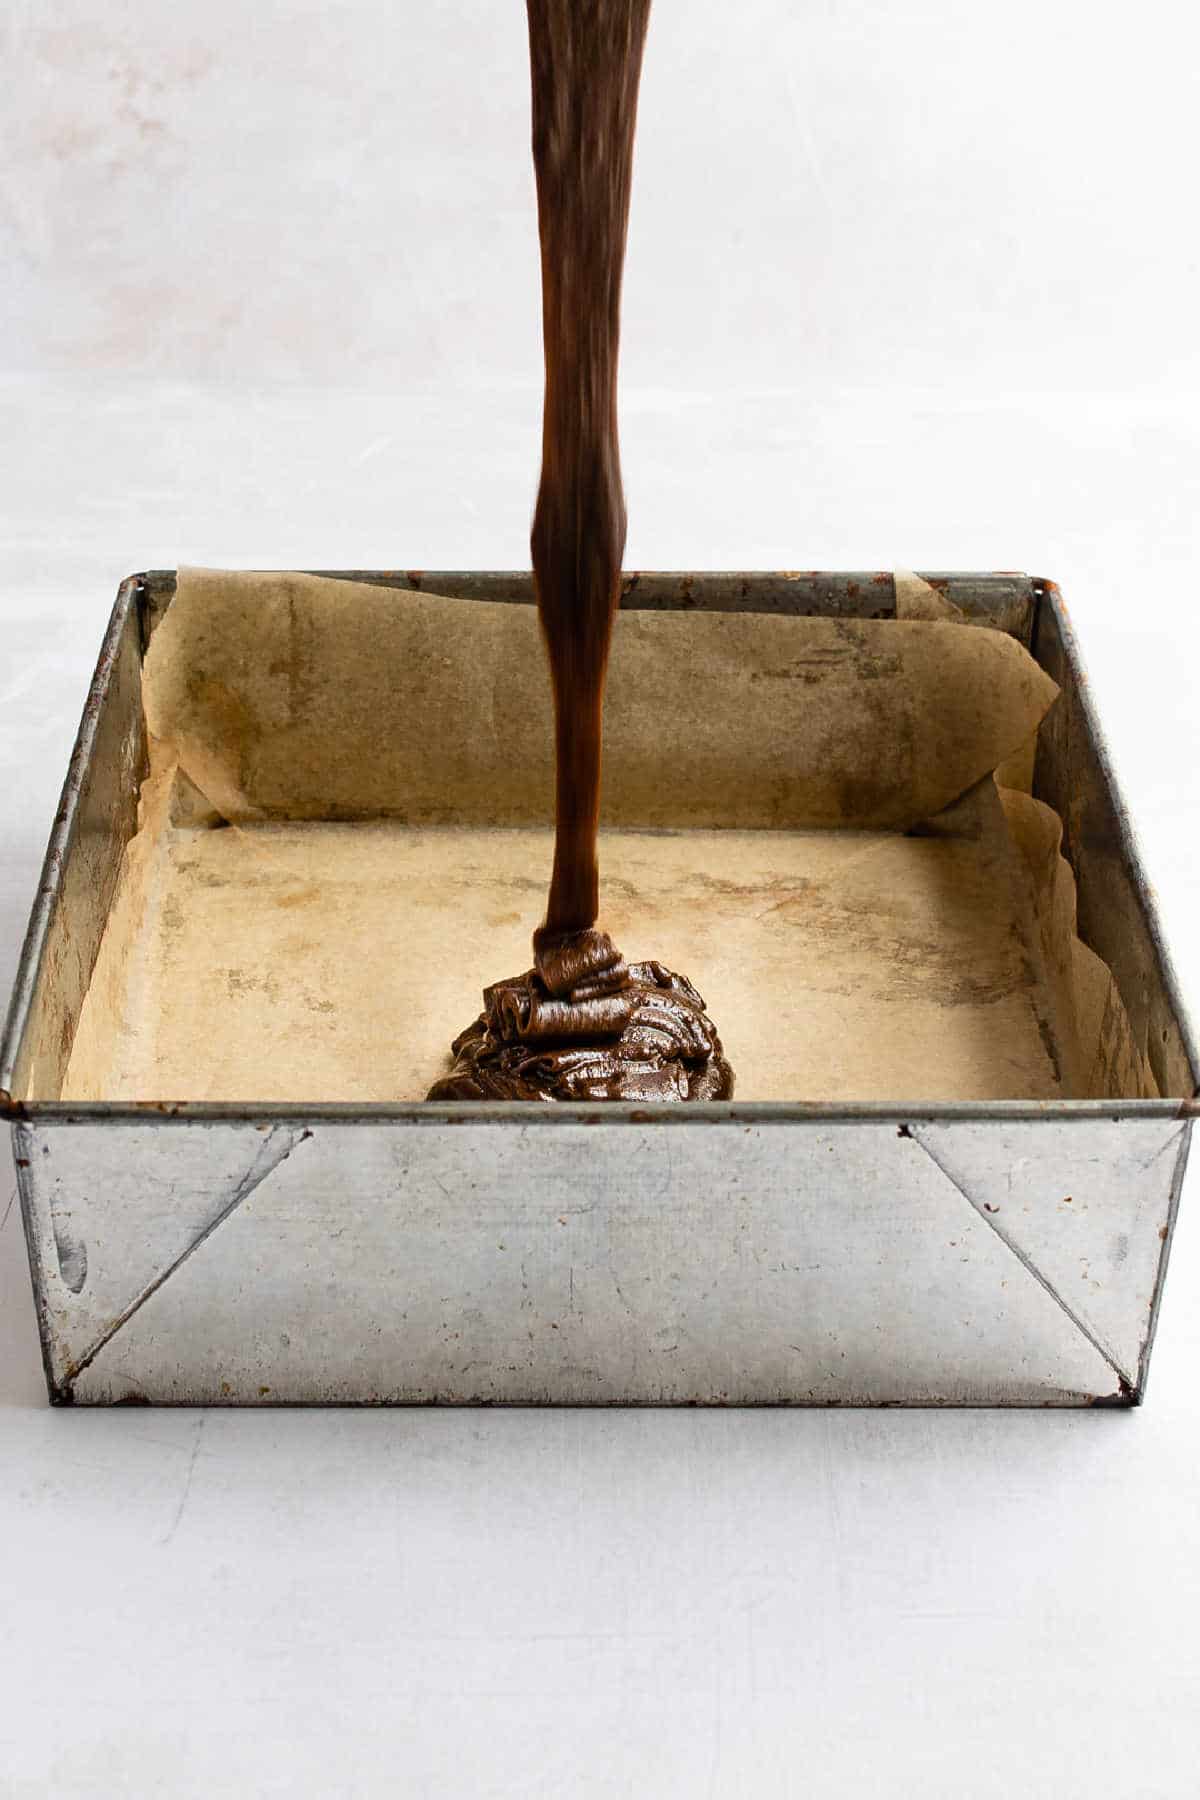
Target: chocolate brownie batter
(650,1040)
(582,1024)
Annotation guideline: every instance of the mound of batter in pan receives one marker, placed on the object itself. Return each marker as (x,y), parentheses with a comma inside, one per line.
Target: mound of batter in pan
(632,1032)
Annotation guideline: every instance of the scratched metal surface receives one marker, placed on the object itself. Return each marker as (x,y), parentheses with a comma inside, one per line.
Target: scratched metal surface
(1117,916)
(964,1254)
(97,816)
(1005,600)
(519,1262)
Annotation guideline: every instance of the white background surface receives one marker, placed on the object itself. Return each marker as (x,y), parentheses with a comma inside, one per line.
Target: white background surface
(907,284)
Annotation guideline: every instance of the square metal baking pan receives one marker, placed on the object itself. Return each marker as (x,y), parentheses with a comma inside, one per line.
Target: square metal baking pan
(999,1253)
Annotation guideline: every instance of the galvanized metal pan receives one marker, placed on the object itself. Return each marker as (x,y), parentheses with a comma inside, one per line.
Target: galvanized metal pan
(997,1253)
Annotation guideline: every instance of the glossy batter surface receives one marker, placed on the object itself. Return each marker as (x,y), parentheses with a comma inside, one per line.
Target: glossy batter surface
(647,1039)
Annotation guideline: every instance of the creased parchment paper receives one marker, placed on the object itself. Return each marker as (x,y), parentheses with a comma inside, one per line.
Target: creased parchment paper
(1101,1058)
(917,599)
(296,957)
(291,696)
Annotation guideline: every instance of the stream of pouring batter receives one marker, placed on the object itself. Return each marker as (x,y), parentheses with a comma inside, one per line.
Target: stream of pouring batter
(582,1024)
(586,61)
